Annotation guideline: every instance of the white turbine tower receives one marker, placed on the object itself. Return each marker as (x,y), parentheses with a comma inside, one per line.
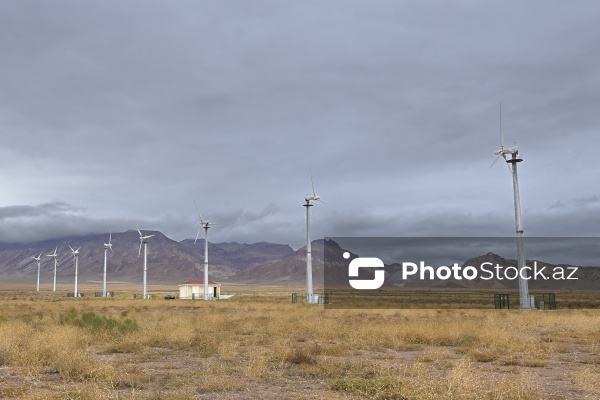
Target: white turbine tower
(144,240)
(204,225)
(526,302)
(310,298)
(106,247)
(54,255)
(39,261)
(76,256)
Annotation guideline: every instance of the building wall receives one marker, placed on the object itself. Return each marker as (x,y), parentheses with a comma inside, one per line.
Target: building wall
(187,291)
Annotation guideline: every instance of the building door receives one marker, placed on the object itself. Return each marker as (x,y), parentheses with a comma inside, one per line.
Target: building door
(215,292)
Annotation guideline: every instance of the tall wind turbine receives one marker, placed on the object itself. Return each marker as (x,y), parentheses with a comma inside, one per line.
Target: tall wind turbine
(206,225)
(54,255)
(309,281)
(526,302)
(144,240)
(106,247)
(76,256)
(39,261)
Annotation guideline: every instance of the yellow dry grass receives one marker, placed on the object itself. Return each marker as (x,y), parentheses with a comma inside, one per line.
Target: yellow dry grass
(254,346)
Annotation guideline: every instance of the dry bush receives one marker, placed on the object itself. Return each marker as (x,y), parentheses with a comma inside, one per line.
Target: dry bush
(461,382)
(588,380)
(483,355)
(53,349)
(8,391)
(302,354)
(534,363)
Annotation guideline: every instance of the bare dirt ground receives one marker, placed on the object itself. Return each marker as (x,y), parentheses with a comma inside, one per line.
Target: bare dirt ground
(261,346)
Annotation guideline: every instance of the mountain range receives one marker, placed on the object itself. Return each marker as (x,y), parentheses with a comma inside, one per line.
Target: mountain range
(169,261)
(262,263)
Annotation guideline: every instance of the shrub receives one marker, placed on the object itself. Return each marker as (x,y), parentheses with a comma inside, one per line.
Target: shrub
(98,323)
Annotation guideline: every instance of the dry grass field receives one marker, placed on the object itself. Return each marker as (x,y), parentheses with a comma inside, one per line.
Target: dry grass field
(262,346)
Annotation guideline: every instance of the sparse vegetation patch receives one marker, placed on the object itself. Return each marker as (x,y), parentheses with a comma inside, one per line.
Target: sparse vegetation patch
(243,348)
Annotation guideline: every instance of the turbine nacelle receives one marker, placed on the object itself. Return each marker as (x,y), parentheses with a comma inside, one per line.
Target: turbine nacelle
(53,254)
(502,151)
(38,258)
(74,252)
(203,223)
(109,245)
(143,239)
(308,199)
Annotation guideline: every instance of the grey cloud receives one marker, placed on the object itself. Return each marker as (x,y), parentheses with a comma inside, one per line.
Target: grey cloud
(130,110)
(558,205)
(585,201)
(46,210)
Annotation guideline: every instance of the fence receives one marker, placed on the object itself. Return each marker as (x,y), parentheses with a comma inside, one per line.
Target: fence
(545,301)
(141,296)
(548,301)
(318,298)
(108,294)
(501,301)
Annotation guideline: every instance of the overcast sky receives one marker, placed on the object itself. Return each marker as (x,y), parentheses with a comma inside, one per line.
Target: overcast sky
(121,113)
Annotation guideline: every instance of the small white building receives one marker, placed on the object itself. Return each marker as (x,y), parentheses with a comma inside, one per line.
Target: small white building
(195,290)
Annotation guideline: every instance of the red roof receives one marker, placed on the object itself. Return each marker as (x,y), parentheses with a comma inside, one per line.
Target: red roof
(200,283)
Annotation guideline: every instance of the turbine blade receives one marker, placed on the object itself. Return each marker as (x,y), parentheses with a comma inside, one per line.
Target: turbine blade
(109,237)
(507,163)
(496,159)
(149,236)
(312,182)
(40,256)
(321,201)
(140,232)
(78,249)
(501,134)
(197,210)
(197,234)
(72,251)
(140,250)
(111,250)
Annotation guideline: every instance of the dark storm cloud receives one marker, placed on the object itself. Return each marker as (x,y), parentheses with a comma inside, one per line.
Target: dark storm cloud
(48,221)
(43,210)
(126,111)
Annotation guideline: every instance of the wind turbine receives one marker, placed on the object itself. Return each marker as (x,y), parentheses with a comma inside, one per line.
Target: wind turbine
(39,261)
(144,240)
(206,225)
(309,281)
(106,247)
(54,255)
(526,301)
(76,256)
